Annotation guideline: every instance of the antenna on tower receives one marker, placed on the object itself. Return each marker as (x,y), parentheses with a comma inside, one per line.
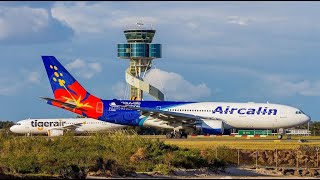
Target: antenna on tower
(139,24)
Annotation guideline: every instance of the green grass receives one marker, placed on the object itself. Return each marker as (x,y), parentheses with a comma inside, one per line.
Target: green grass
(117,153)
(267,143)
(239,144)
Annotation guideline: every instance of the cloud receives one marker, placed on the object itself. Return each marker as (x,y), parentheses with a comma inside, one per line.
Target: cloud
(206,25)
(8,89)
(278,84)
(119,90)
(129,20)
(281,86)
(32,25)
(11,23)
(33,77)
(175,87)
(275,84)
(99,17)
(192,25)
(84,69)
(76,64)
(239,20)
(18,82)
(95,66)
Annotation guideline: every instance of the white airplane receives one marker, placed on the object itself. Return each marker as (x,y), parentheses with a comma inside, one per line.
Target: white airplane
(56,127)
(210,117)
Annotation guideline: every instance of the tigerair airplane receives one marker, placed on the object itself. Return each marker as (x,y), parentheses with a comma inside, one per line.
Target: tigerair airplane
(56,127)
(209,117)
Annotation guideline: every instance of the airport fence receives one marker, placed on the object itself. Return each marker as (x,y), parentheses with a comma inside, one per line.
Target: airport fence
(302,157)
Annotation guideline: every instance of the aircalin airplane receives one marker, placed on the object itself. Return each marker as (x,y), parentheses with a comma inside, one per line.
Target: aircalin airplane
(56,127)
(210,117)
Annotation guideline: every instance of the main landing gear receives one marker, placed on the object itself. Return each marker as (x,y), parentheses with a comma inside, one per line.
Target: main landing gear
(177,135)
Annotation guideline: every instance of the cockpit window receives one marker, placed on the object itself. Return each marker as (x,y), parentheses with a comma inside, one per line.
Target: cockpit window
(299,112)
(18,124)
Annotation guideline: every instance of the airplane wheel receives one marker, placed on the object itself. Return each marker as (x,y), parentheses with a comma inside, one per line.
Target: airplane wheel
(169,135)
(178,135)
(184,135)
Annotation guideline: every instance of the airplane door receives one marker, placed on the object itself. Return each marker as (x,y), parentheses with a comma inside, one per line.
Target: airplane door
(283,116)
(275,122)
(28,129)
(244,118)
(99,107)
(283,113)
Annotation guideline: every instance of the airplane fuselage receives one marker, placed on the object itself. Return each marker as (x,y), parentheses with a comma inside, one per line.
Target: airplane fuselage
(234,115)
(41,126)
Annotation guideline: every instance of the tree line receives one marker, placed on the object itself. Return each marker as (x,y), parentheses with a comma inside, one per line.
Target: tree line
(6,124)
(314,127)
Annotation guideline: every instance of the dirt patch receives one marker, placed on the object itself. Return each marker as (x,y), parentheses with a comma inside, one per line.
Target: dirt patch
(230,173)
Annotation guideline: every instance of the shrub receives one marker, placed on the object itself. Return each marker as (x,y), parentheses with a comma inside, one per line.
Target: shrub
(188,158)
(163,168)
(117,153)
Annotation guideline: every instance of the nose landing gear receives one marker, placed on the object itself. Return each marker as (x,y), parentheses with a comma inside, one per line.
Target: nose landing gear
(177,135)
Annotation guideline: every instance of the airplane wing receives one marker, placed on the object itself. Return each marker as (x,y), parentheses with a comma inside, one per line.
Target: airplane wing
(64,104)
(70,127)
(168,117)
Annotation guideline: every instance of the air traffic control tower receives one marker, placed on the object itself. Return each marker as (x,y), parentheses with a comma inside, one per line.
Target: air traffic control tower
(140,52)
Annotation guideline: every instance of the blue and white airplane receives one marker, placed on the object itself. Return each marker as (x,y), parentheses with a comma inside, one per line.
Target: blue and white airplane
(210,117)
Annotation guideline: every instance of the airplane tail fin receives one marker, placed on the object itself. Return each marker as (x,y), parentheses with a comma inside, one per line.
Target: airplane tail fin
(61,79)
(67,89)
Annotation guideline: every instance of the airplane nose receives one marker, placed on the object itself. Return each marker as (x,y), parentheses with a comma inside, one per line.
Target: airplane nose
(12,128)
(307,118)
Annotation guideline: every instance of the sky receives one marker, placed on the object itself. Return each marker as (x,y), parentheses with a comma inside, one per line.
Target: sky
(211,51)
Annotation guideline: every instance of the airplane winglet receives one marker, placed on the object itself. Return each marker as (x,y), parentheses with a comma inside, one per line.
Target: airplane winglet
(45,98)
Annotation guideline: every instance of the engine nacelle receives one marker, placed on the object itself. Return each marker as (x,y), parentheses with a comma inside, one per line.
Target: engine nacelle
(210,126)
(79,130)
(55,132)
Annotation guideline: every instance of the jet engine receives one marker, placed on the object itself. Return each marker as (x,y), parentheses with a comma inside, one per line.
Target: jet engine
(79,130)
(210,126)
(55,132)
